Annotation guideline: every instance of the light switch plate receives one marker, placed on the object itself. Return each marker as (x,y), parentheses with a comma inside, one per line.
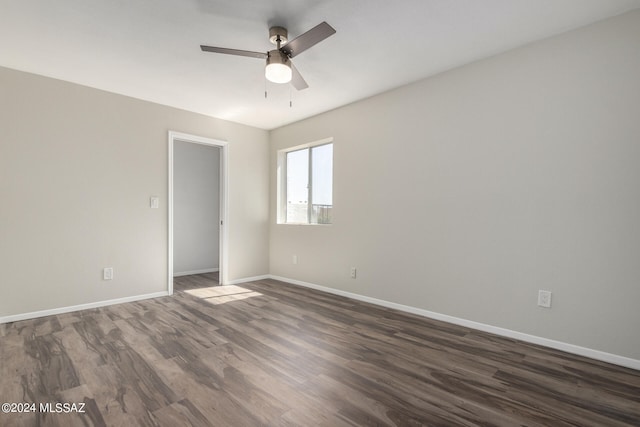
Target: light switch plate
(154,202)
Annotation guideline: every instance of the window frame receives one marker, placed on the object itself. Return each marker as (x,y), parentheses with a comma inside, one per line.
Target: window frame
(281,176)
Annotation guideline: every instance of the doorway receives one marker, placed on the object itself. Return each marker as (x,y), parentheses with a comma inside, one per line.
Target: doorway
(199,229)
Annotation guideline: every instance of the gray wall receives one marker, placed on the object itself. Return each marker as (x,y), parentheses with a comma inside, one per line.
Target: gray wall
(465,193)
(196,208)
(77,168)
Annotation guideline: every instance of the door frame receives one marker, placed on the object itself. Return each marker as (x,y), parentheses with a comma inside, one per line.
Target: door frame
(224,202)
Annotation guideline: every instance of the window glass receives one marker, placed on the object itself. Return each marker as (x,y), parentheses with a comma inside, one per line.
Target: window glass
(298,186)
(307,186)
(322,184)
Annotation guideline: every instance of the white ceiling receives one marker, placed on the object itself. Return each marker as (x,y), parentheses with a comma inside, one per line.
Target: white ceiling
(149,49)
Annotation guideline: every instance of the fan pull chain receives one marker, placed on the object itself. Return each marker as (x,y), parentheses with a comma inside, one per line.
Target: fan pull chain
(265,87)
(290,101)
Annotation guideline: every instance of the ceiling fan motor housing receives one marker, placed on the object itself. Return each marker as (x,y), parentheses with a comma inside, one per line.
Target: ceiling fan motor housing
(275,32)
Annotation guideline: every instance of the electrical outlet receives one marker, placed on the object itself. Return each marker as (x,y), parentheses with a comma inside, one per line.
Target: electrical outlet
(294,259)
(353,272)
(544,298)
(107,273)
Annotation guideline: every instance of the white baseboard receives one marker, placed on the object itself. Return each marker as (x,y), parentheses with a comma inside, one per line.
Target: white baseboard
(248,279)
(558,345)
(53,311)
(189,273)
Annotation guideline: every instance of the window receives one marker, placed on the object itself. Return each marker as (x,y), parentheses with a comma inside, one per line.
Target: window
(306,184)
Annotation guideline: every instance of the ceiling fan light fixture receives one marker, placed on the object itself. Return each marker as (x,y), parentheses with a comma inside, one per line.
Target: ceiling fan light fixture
(278,68)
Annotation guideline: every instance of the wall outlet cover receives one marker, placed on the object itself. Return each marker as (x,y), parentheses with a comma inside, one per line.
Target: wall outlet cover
(107,273)
(544,299)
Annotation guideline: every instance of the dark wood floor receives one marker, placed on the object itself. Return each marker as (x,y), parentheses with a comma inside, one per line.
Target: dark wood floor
(269,353)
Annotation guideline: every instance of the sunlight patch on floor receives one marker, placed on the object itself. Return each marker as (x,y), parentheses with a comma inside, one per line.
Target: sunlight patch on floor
(221,294)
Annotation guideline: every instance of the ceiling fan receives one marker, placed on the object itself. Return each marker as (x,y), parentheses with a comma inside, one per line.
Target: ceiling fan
(279,68)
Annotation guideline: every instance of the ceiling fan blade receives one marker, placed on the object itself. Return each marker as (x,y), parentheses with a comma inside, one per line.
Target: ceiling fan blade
(238,52)
(296,79)
(308,39)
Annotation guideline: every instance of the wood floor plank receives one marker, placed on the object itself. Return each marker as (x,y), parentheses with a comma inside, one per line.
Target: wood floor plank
(181,413)
(274,354)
